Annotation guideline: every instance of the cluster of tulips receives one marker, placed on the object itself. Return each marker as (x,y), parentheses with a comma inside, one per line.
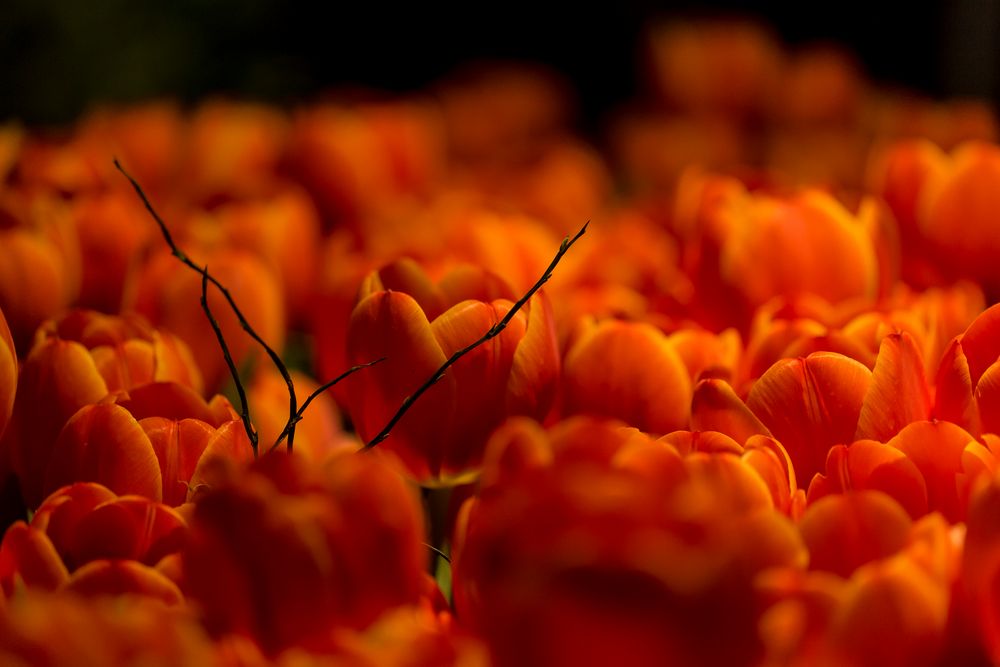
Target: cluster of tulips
(751,418)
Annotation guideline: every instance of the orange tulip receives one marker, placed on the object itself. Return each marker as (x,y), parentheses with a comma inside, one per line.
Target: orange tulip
(955,212)
(76,361)
(967,380)
(233,150)
(313,550)
(715,66)
(60,630)
(358,161)
(980,578)
(320,432)
(441,439)
(39,261)
(8,375)
(152,442)
(169,295)
(845,531)
(112,231)
(593,545)
(629,371)
(87,539)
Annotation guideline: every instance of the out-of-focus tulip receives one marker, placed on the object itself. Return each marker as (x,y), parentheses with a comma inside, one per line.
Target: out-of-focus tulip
(39,262)
(317,435)
(956,212)
(499,116)
(169,295)
(714,66)
(87,539)
(61,630)
(113,228)
(282,229)
(845,531)
(743,248)
(359,161)
(819,86)
(313,550)
(76,361)
(233,150)
(596,546)
(628,371)
(981,565)
(417,328)
(8,375)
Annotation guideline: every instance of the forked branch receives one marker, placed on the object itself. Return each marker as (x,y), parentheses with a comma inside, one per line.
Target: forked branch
(493,332)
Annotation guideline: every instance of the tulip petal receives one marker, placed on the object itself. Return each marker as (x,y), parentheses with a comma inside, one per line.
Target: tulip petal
(104,443)
(936,448)
(28,556)
(981,342)
(628,371)
(954,401)
(810,405)
(898,394)
(535,371)
(716,407)
(988,399)
(392,325)
(843,532)
(123,577)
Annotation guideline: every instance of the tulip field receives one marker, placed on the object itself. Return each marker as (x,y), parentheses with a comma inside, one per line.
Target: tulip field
(436,379)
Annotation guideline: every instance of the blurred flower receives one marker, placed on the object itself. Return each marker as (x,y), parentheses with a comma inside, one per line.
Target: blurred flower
(594,545)
(286,553)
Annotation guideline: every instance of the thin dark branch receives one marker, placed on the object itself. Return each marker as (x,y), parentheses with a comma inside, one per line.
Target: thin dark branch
(493,332)
(438,552)
(244,405)
(182,256)
(319,390)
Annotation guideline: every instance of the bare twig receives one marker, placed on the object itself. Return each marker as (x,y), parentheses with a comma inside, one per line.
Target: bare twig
(319,390)
(244,405)
(208,278)
(493,332)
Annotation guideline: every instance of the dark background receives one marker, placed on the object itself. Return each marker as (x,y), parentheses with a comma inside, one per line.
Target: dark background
(61,56)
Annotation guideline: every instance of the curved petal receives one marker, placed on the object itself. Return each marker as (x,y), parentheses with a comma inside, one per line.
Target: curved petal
(167,399)
(392,325)
(898,394)
(716,407)
(28,557)
(981,342)
(988,399)
(535,372)
(628,371)
(843,532)
(178,446)
(57,379)
(936,448)
(954,401)
(480,378)
(810,405)
(8,374)
(105,444)
(123,577)
(131,528)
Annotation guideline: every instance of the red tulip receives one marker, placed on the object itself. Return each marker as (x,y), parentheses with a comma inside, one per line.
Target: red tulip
(592,544)
(628,371)
(441,439)
(310,550)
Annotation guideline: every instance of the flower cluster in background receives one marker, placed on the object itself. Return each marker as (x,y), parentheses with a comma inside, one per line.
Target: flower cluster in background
(752,419)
